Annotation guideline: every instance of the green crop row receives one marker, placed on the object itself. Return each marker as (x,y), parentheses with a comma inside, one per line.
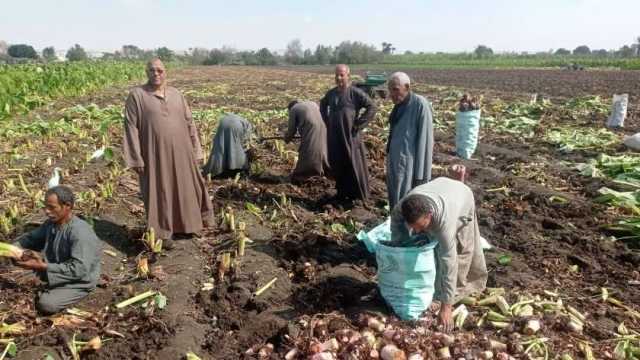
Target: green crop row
(25,87)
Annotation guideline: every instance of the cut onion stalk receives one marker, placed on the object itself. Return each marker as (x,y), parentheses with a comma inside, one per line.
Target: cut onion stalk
(490,300)
(503,305)
(11,251)
(573,311)
(224,265)
(242,241)
(469,300)
(586,350)
(499,324)
(12,329)
(151,240)
(265,287)
(494,316)
(461,317)
(135,299)
(143,268)
(574,325)
(525,311)
(444,353)
(481,320)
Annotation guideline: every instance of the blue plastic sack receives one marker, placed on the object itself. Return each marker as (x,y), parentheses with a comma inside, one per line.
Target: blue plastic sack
(467,129)
(380,233)
(406,275)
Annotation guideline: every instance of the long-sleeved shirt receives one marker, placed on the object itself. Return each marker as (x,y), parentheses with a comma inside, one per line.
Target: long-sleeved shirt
(460,264)
(71,251)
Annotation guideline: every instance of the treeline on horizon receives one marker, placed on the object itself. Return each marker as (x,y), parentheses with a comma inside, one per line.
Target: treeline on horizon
(347,52)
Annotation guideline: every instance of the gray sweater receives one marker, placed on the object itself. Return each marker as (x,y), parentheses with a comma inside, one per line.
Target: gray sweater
(72,253)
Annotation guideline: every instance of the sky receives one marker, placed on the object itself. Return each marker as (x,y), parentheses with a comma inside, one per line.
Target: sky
(427,25)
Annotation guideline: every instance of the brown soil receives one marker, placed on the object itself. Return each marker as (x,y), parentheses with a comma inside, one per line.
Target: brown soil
(320,273)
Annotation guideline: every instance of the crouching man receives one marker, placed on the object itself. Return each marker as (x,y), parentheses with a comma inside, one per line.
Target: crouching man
(71,251)
(444,210)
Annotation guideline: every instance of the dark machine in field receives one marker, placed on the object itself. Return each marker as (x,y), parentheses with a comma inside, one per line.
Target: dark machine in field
(374,84)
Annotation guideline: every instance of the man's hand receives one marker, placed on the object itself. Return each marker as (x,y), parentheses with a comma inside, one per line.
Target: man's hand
(138,170)
(446,319)
(458,172)
(36,264)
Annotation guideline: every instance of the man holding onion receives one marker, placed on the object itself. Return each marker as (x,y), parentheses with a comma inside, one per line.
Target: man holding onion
(71,263)
(444,210)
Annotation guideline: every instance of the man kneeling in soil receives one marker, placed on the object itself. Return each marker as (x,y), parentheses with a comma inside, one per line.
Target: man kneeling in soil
(71,264)
(444,210)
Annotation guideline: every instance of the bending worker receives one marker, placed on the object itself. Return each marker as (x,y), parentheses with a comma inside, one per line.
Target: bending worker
(444,210)
(305,118)
(228,155)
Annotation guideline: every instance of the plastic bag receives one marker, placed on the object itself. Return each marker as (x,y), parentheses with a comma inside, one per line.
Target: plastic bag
(633,141)
(406,275)
(467,129)
(618,111)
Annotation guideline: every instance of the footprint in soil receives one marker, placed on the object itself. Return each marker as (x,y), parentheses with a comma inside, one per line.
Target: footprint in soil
(340,287)
(239,294)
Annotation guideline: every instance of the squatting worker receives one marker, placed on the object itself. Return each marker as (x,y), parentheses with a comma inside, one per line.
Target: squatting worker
(341,111)
(162,146)
(305,118)
(444,210)
(410,144)
(71,249)
(228,155)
